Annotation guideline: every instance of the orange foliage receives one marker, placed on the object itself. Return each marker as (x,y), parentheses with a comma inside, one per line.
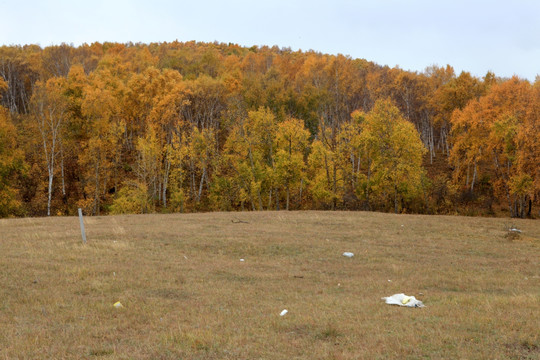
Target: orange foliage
(197,126)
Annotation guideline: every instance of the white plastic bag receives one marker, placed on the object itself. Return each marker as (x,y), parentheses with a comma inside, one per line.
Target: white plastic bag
(403,300)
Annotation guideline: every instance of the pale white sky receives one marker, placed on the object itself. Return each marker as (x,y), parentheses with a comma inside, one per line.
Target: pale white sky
(471,35)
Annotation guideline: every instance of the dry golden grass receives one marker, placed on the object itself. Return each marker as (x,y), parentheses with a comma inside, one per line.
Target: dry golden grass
(187,295)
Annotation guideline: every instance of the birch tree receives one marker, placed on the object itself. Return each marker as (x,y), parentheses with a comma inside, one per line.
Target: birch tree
(49,111)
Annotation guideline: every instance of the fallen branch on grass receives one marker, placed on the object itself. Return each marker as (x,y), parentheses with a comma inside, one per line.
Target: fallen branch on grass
(236,221)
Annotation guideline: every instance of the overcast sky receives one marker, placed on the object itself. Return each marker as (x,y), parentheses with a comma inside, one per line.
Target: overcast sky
(470,35)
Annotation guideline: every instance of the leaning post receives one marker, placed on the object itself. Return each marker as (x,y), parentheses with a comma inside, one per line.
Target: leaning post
(82,226)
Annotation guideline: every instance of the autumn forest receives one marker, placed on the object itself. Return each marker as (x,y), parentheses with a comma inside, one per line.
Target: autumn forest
(184,127)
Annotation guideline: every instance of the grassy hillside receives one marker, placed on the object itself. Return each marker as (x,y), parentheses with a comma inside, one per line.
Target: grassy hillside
(186,294)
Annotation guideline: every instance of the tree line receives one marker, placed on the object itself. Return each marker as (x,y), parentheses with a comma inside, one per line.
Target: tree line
(181,127)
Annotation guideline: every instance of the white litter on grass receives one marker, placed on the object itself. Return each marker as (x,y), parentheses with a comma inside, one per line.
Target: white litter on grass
(118,305)
(241,259)
(348,254)
(285,311)
(513,229)
(403,300)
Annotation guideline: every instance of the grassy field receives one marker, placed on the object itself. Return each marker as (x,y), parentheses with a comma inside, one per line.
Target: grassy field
(187,295)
